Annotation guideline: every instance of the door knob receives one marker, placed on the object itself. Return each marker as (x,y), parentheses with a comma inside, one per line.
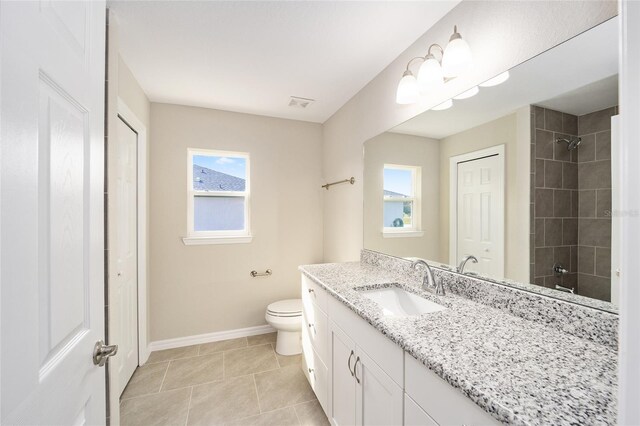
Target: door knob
(101,352)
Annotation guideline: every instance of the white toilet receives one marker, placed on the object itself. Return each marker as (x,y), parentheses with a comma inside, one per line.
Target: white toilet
(286,317)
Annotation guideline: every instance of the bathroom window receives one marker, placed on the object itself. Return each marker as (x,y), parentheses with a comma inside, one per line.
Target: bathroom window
(401,201)
(218,197)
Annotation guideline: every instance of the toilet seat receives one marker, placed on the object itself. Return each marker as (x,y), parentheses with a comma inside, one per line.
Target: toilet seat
(290,308)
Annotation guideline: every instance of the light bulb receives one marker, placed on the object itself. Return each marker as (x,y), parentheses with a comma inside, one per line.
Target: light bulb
(499,79)
(469,93)
(430,76)
(408,92)
(457,56)
(445,105)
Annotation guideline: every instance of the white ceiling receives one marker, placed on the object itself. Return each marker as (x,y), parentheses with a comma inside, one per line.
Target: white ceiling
(579,76)
(252,56)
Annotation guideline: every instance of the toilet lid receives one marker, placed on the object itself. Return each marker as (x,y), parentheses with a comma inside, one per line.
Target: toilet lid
(289,308)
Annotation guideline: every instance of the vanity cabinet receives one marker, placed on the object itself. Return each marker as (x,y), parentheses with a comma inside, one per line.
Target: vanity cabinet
(362,378)
(443,403)
(362,393)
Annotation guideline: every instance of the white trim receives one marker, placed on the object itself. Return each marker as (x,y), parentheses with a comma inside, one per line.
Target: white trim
(498,150)
(200,241)
(402,234)
(125,112)
(629,86)
(217,336)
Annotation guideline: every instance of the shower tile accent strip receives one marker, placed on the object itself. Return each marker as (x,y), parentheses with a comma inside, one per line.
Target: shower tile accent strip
(591,323)
(521,371)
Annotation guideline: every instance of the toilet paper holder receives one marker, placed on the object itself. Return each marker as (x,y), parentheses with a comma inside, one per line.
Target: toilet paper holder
(261,274)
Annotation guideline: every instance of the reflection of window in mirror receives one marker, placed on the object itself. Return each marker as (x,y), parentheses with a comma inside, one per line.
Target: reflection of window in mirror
(401,192)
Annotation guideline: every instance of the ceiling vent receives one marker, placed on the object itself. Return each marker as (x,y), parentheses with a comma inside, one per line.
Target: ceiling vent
(296,102)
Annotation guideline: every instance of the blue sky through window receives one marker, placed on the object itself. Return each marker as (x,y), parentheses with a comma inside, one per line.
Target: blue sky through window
(398,180)
(233,166)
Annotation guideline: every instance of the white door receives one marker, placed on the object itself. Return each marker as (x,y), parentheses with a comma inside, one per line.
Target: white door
(123,250)
(480,214)
(52,215)
(343,391)
(378,397)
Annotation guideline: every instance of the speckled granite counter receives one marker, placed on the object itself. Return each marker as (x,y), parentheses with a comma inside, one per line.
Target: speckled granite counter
(522,372)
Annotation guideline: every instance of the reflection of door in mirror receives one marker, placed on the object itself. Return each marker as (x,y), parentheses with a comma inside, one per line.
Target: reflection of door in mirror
(478,228)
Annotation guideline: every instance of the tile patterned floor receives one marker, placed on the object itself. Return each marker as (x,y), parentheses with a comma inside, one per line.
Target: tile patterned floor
(234,382)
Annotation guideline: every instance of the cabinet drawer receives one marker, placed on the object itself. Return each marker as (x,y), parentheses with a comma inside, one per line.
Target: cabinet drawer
(385,353)
(414,415)
(316,327)
(312,292)
(316,371)
(441,401)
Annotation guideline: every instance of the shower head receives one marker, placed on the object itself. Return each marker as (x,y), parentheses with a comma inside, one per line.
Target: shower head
(572,142)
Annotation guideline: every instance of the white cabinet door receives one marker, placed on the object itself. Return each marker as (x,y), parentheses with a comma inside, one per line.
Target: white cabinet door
(51,200)
(414,415)
(343,384)
(378,398)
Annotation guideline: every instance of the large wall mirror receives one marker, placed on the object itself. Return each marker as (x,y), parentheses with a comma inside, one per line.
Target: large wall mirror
(517,173)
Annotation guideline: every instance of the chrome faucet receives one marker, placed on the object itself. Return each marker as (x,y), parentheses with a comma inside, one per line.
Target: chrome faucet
(463,262)
(429,280)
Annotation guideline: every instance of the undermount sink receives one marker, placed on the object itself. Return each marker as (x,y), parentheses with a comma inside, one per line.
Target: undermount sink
(395,301)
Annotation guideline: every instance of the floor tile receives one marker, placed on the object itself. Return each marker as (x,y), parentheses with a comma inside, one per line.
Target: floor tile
(193,371)
(253,359)
(287,360)
(224,345)
(283,417)
(165,408)
(146,379)
(261,339)
(311,414)
(175,353)
(283,387)
(224,401)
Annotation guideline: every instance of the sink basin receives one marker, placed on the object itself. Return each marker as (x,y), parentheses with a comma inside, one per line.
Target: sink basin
(398,302)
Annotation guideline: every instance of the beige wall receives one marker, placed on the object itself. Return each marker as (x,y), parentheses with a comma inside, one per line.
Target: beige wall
(204,289)
(505,131)
(501,34)
(395,148)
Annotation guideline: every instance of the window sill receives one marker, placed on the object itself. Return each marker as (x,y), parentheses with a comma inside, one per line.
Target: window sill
(402,234)
(199,241)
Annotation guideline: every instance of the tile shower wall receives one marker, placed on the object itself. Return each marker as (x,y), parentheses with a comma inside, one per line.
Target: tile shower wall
(554,198)
(571,201)
(594,204)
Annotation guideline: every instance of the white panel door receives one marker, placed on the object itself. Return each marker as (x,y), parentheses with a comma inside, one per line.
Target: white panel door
(378,398)
(123,252)
(52,216)
(480,215)
(343,384)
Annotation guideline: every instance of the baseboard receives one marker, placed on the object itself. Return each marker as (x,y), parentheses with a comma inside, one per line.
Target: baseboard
(209,337)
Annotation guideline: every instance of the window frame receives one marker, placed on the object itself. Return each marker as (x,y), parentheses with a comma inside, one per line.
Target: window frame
(415,230)
(217,237)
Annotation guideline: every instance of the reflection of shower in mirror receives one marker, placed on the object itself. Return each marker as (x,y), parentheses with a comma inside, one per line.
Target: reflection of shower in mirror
(572,142)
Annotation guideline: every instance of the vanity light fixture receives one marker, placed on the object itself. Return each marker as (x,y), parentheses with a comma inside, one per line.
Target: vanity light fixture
(499,79)
(445,105)
(469,93)
(433,72)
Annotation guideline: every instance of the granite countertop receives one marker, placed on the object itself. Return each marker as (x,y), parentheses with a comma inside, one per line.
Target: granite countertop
(520,371)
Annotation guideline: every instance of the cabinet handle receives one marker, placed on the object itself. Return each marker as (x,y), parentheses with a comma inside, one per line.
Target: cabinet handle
(311,291)
(349,364)
(311,370)
(354,370)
